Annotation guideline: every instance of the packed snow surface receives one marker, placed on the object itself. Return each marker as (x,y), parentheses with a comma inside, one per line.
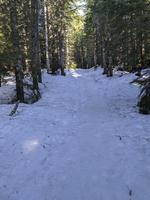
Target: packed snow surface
(84,140)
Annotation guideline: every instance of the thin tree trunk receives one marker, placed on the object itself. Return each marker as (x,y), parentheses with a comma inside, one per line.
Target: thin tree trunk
(46,38)
(38,42)
(62,41)
(62,55)
(110,70)
(104,59)
(34,43)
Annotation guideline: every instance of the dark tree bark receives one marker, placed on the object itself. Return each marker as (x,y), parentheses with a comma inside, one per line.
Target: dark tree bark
(17,50)
(62,39)
(35,44)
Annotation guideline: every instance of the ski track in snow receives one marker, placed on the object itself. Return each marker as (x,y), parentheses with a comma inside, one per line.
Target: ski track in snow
(84,140)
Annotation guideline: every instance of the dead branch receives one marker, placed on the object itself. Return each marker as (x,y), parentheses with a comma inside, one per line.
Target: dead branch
(14,109)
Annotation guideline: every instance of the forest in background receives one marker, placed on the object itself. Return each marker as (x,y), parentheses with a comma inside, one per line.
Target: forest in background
(116,33)
(38,34)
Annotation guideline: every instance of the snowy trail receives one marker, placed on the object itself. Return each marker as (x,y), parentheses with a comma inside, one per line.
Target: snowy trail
(84,140)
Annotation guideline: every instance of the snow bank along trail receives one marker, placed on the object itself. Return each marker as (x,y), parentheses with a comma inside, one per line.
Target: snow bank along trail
(84,140)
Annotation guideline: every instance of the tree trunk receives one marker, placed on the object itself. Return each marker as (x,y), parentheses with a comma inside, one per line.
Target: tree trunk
(35,57)
(62,41)
(46,38)
(62,55)
(38,42)
(110,70)
(17,50)
(104,59)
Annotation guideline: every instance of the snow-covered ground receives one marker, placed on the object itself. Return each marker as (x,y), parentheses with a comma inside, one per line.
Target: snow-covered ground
(7,91)
(84,140)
